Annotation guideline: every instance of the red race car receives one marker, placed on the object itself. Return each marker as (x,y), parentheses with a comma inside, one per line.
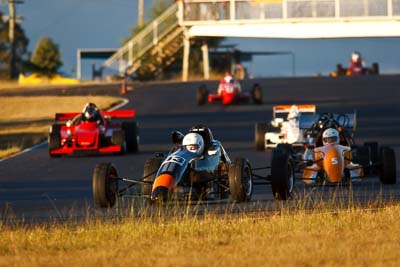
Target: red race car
(356,67)
(93,132)
(229,92)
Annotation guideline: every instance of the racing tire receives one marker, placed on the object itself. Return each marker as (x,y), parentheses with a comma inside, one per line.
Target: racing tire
(149,173)
(105,185)
(118,138)
(282,175)
(240,180)
(362,156)
(260,128)
(373,149)
(54,141)
(131,130)
(374,70)
(288,148)
(257,94)
(202,94)
(388,166)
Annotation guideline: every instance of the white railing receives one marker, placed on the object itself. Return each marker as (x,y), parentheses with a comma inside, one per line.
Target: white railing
(194,12)
(135,48)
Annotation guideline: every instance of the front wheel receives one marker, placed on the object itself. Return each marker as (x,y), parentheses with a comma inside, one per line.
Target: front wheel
(257,94)
(202,94)
(259,135)
(149,174)
(105,185)
(282,174)
(240,180)
(388,166)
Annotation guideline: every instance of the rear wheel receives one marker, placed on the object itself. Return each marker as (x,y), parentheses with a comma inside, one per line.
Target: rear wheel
(202,94)
(54,138)
(259,135)
(257,94)
(388,166)
(374,70)
(105,185)
(131,136)
(362,156)
(373,149)
(150,170)
(240,180)
(118,138)
(282,174)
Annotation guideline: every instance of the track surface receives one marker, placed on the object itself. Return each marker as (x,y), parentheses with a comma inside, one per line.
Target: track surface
(32,185)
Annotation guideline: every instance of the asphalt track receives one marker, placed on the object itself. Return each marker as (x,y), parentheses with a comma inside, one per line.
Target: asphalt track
(35,187)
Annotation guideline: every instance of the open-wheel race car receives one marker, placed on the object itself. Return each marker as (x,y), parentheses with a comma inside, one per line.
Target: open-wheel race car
(229,92)
(196,167)
(330,157)
(93,132)
(283,128)
(356,67)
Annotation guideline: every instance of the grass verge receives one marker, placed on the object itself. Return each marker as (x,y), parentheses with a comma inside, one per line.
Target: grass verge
(350,237)
(26,120)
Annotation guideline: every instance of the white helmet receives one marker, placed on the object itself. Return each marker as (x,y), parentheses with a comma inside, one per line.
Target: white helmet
(193,142)
(330,135)
(355,56)
(228,78)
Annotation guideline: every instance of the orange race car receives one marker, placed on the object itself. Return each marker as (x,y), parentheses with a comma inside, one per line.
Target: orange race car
(330,157)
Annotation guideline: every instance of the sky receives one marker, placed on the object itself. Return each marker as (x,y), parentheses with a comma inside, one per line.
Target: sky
(74,24)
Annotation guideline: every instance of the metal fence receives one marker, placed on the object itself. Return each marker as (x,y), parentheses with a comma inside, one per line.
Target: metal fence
(195,11)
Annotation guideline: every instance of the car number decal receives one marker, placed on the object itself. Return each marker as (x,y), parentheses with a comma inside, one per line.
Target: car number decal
(175,159)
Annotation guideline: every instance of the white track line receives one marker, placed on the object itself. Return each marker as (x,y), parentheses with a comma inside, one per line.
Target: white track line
(123,103)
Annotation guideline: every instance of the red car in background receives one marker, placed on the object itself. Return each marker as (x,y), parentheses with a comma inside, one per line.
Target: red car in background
(229,92)
(356,67)
(115,132)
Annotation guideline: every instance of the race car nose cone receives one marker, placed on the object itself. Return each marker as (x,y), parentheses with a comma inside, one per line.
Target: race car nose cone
(160,194)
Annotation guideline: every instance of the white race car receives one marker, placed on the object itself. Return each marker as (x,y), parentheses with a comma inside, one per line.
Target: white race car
(283,128)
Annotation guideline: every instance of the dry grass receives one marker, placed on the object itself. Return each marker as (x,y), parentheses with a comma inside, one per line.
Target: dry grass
(26,120)
(348,238)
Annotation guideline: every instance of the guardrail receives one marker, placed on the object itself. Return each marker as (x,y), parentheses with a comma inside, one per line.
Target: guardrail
(195,12)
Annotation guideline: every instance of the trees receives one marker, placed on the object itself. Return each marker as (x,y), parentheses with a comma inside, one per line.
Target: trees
(21,49)
(46,57)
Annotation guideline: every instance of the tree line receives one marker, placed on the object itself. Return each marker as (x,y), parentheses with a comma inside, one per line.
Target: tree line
(45,58)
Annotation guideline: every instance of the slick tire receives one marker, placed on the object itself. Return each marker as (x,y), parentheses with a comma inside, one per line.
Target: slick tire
(282,175)
(257,94)
(131,130)
(105,185)
(260,128)
(388,166)
(202,94)
(150,171)
(240,180)
(118,138)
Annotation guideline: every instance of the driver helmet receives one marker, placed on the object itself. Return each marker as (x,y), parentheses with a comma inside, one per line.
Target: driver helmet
(228,78)
(330,135)
(89,111)
(355,56)
(193,142)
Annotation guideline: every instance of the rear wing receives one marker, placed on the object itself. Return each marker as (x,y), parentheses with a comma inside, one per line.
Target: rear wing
(117,114)
(120,114)
(310,108)
(66,116)
(347,120)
